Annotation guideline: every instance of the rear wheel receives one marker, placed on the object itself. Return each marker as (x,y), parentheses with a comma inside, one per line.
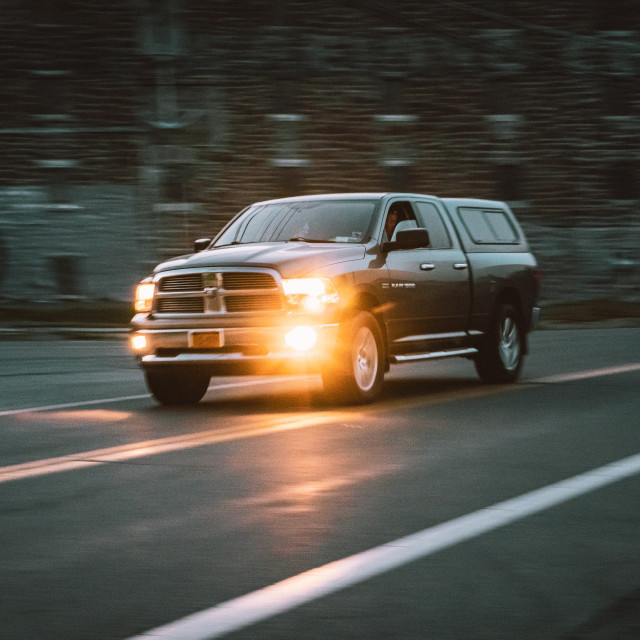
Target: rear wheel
(500,356)
(357,372)
(179,386)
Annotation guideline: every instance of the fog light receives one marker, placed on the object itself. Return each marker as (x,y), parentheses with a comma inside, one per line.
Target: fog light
(301,338)
(139,343)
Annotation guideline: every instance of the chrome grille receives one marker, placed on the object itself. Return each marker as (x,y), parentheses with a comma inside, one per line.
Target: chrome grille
(265,302)
(180,305)
(185,282)
(233,281)
(218,292)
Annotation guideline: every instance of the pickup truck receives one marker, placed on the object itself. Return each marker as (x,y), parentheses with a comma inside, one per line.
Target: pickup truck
(344,285)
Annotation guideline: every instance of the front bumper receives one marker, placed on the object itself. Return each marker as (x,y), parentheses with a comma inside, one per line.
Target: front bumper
(235,351)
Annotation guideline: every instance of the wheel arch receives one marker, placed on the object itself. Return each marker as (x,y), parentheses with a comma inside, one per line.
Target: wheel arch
(364,300)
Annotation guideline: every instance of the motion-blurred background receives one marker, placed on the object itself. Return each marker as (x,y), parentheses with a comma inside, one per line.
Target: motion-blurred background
(131,127)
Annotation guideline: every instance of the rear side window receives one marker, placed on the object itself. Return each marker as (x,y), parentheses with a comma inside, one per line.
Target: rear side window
(430,219)
(488,226)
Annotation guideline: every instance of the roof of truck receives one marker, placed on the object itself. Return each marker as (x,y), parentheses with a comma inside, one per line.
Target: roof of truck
(378,195)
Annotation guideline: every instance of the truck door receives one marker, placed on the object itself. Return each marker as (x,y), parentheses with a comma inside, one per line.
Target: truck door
(428,288)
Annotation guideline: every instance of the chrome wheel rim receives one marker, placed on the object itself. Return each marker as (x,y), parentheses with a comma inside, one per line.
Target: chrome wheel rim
(365,359)
(509,345)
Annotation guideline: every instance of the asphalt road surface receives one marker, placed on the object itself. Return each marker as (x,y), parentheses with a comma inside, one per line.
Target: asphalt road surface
(449,509)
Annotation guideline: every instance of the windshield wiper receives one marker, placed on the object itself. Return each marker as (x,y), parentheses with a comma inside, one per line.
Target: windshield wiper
(302,239)
(228,244)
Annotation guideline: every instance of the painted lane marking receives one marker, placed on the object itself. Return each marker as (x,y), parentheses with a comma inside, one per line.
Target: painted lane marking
(135,450)
(69,405)
(163,445)
(86,403)
(293,592)
(569,377)
(132,451)
(585,375)
(262,427)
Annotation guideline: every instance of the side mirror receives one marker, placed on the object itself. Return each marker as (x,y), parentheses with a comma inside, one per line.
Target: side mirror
(201,244)
(408,239)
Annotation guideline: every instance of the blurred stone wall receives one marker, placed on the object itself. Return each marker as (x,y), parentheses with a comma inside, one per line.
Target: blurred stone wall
(131,127)
(69,252)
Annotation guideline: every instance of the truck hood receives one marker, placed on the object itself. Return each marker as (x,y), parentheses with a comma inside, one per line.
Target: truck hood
(288,258)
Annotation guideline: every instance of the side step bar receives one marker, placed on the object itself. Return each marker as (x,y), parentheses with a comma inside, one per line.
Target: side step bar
(433,355)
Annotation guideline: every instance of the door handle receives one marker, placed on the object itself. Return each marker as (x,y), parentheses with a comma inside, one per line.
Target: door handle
(460,265)
(427,266)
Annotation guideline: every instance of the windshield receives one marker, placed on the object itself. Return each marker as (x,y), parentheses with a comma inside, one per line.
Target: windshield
(310,221)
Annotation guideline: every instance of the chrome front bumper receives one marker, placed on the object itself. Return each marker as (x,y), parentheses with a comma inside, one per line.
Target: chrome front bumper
(241,351)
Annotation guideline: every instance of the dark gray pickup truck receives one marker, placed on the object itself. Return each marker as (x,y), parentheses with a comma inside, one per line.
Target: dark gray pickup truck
(344,285)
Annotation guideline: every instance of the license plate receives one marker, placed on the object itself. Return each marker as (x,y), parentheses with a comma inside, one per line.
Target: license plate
(206,339)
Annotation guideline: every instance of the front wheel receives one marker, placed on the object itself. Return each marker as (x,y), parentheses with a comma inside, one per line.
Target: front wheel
(179,386)
(501,354)
(357,371)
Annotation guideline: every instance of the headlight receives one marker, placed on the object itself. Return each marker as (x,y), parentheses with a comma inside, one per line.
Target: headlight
(310,294)
(144,296)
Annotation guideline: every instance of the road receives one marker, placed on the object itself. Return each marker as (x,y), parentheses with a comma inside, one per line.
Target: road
(439,512)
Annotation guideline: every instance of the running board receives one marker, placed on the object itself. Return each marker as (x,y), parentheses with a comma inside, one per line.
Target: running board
(433,355)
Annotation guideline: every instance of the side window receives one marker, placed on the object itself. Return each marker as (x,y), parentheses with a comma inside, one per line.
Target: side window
(476,225)
(399,216)
(501,226)
(430,219)
(488,226)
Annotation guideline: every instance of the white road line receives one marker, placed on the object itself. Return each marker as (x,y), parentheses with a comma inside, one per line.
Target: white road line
(85,403)
(262,426)
(585,375)
(69,405)
(568,377)
(164,445)
(281,597)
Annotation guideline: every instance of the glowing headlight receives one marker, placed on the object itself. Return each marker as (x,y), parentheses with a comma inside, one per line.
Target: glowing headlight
(310,294)
(301,338)
(144,297)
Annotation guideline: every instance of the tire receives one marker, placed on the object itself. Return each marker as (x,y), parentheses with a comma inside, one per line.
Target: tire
(501,354)
(177,386)
(357,371)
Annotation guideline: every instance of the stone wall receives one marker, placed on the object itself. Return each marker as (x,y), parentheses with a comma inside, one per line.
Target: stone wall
(91,249)
(149,123)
